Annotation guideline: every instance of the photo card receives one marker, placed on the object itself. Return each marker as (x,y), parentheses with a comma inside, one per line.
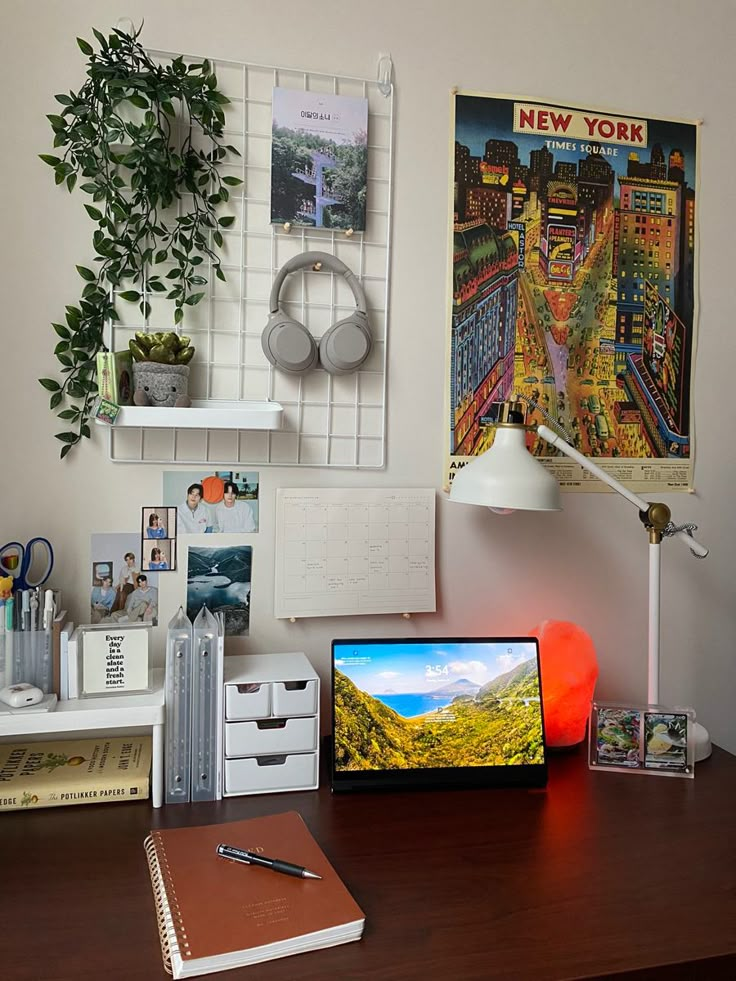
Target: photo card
(319,159)
(158,538)
(122,590)
(642,739)
(666,736)
(618,736)
(213,501)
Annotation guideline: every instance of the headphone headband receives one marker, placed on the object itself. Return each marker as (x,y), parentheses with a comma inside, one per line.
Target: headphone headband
(330,262)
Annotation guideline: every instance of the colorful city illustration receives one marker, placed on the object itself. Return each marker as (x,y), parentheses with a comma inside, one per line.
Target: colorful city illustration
(573,277)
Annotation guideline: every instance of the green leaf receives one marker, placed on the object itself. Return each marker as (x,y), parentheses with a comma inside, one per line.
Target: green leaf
(66,437)
(156,286)
(84,430)
(232,181)
(178,315)
(58,122)
(138,101)
(55,400)
(50,384)
(86,274)
(69,414)
(133,296)
(70,182)
(220,274)
(218,239)
(193,299)
(64,451)
(100,38)
(64,100)
(161,256)
(84,46)
(49,159)
(94,213)
(62,331)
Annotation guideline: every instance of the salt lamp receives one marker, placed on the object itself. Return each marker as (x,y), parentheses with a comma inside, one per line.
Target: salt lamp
(569,669)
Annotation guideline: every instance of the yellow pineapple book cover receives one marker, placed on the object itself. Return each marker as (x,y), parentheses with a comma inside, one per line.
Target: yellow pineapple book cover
(80,771)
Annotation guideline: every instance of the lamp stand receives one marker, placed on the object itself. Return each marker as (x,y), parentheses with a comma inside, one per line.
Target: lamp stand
(655,518)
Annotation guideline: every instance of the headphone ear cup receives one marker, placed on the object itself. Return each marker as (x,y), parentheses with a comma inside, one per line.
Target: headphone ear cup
(288,345)
(346,345)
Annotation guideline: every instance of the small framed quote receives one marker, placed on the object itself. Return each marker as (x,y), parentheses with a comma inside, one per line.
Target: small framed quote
(114,660)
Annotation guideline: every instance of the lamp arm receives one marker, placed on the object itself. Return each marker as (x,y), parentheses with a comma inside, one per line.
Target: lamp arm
(551,437)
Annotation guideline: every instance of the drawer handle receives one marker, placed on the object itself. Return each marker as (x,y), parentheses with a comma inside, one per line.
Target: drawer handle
(248,689)
(295,685)
(270,760)
(271,723)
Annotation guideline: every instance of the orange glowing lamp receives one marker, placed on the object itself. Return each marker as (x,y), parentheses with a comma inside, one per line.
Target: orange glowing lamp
(569,669)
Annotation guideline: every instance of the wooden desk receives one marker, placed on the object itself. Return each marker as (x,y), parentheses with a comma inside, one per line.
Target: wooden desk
(601,873)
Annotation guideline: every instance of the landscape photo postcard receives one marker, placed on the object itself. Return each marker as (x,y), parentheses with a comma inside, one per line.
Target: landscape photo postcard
(319,159)
(220,579)
(440,704)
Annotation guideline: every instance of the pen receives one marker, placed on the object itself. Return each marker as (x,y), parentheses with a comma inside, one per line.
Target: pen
(48,609)
(10,678)
(275,864)
(25,623)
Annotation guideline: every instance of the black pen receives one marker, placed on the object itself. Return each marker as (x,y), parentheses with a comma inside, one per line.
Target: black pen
(275,864)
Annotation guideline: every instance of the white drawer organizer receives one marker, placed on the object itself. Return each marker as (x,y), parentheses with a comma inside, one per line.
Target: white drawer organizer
(271,724)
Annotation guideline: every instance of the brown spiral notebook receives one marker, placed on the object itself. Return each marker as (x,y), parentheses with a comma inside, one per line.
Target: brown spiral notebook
(214,914)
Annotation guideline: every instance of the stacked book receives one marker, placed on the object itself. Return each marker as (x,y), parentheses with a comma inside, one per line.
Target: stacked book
(80,771)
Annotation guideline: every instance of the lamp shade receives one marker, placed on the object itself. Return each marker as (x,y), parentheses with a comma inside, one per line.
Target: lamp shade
(507,477)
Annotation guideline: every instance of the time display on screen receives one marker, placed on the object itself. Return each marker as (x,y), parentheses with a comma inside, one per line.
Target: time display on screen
(436,670)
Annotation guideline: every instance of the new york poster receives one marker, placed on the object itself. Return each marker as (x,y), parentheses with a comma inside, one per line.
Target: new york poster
(572,281)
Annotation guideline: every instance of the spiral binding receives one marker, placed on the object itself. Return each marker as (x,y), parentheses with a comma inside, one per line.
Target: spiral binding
(171,930)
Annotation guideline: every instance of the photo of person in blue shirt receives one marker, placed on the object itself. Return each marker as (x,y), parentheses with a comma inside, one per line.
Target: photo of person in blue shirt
(158,560)
(102,599)
(155,529)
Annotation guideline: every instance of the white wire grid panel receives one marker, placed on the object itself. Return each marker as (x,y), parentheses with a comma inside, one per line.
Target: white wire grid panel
(329,420)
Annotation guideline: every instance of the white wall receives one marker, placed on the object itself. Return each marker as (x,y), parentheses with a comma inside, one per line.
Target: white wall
(495,575)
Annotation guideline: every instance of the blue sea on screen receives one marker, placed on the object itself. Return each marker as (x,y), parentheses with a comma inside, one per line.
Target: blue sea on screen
(412,705)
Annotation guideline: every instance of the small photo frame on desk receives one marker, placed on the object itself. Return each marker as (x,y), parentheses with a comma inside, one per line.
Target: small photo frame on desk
(113,659)
(650,739)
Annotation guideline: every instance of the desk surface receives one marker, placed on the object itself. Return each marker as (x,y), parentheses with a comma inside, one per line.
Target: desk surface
(599,874)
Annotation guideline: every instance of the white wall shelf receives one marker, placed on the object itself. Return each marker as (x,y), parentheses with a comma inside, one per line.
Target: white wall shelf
(203,415)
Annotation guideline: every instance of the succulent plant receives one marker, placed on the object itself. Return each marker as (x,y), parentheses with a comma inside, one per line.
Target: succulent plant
(163,347)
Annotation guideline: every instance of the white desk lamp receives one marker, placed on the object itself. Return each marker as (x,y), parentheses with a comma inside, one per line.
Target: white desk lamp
(508,478)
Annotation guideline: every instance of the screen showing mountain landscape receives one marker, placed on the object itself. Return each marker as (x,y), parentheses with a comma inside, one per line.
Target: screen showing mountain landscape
(407,705)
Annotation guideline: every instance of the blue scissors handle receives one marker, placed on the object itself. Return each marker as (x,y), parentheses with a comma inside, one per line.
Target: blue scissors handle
(16,561)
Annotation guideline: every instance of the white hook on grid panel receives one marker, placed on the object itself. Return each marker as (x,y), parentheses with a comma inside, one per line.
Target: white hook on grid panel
(384,73)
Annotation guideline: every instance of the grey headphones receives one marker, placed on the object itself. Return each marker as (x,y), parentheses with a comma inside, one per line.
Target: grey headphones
(288,344)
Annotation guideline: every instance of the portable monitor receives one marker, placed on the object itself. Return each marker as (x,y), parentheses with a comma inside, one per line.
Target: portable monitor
(437,713)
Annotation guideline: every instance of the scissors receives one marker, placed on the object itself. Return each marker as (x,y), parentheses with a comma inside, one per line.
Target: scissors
(16,561)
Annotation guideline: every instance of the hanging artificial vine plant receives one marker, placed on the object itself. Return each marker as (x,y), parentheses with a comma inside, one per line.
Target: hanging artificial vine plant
(133,135)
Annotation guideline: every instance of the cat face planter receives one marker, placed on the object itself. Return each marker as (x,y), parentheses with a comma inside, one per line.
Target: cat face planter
(165,385)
